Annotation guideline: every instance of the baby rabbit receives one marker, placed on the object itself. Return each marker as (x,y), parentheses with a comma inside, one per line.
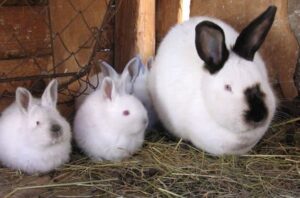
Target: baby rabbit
(210,87)
(139,87)
(110,124)
(34,137)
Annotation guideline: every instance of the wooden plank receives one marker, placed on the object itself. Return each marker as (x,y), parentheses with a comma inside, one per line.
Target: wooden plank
(24,32)
(134,31)
(168,13)
(280,49)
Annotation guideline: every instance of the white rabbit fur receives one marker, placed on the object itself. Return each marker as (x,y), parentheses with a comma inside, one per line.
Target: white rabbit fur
(139,73)
(34,137)
(103,130)
(134,77)
(94,82)
(193,104)
(123,80)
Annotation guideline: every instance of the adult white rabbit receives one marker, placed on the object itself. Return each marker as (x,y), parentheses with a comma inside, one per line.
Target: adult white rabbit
(210,87)
(34,137)
(110,124)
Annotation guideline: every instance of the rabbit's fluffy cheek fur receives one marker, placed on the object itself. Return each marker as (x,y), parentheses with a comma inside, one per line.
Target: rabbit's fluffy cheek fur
(46,127)
(236,95)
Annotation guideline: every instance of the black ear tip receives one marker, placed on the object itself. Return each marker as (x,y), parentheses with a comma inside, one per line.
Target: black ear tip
(271,11)
(272,8)
(207,24)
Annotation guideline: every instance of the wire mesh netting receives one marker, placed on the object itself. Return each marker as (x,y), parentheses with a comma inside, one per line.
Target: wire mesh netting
(41,40)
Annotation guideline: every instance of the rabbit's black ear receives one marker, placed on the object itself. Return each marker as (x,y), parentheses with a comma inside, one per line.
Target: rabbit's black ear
(210,45)
(252,36)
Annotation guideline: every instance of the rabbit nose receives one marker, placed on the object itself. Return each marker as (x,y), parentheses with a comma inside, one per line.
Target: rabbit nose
(56,130)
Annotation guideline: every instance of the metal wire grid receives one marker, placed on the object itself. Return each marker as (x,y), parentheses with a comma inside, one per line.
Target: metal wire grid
(96,41)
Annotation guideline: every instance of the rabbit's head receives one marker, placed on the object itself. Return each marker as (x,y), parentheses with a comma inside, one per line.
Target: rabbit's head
(124,113)
(43,125)
(235,85)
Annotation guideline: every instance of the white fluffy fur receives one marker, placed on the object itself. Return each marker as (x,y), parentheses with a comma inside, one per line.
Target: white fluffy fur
(135,75)
(28,147)
(193,105)
(124,81)
(102,131)
(95,82)
(141,91)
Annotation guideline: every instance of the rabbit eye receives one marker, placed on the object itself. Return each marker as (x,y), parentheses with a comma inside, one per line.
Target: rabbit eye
(37,122)
(228,88)
(126,113)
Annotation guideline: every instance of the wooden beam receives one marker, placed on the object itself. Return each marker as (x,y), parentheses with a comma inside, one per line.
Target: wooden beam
(168,13)
(134,30)
(280,49)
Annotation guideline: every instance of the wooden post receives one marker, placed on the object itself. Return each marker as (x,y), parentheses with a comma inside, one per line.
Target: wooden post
(168,13)
(280,49)
(134,30)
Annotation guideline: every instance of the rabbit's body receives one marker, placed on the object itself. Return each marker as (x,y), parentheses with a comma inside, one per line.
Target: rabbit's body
(110,127)
(32,148)
(189,98)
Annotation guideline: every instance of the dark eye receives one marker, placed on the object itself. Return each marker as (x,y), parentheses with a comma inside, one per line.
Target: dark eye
(37,122)
(228,88)
(126,113)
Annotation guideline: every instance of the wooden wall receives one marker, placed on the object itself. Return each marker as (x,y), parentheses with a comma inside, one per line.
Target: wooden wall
(53,38)
(25,46)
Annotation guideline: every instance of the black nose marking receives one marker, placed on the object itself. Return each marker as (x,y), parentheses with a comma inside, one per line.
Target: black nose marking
(56,130)
(257,111)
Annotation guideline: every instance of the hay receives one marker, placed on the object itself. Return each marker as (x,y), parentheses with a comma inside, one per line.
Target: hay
(167,168)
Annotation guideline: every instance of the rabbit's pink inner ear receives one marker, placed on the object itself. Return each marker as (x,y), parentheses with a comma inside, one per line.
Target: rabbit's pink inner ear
(108,70)
(210,45)
(23,98)
(133,68)
(49,97)
(108,90)
(149,63)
